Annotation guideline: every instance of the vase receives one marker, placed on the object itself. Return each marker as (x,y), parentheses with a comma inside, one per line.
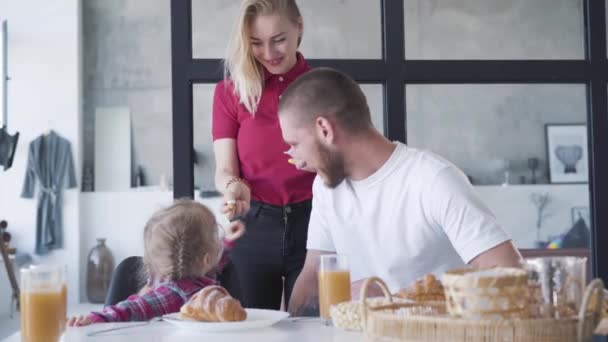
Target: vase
(100,265)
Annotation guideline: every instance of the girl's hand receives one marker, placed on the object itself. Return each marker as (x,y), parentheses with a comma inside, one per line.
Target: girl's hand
(237,200)
(235,230)
(79,321)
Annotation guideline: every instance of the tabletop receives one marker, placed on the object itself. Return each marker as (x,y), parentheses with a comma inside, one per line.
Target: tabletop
(299,329)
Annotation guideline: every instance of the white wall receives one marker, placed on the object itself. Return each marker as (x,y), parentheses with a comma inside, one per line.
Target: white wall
(44,92)
(517,214)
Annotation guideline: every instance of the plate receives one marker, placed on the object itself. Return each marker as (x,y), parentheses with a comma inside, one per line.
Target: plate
(256,318)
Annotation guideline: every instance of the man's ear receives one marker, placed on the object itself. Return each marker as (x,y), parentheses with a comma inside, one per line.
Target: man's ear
(325,130)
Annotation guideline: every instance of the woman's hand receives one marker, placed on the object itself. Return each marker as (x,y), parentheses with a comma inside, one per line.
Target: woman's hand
(237,200)
(79,321)
(235,230)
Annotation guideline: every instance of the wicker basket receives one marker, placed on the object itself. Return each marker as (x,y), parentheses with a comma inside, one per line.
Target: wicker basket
(426,322)
(495,293)
(347,315)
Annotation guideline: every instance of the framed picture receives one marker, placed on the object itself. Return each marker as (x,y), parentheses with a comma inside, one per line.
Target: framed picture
(567,153)
(581,212)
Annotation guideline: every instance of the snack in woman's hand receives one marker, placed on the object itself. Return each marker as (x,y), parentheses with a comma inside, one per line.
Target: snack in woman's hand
(213,304)
(425,289)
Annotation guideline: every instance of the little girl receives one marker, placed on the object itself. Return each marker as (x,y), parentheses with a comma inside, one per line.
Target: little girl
(181,249)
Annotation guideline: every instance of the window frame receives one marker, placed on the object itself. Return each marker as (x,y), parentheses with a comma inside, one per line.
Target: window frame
(394,72)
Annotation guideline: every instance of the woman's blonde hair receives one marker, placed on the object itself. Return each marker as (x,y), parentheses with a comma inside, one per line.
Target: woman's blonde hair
(177,238)
(239,64)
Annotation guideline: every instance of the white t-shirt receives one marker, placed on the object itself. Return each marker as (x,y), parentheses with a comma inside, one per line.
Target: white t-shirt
(415,215)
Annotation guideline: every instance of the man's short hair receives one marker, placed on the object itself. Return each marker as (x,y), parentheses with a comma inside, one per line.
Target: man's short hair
(327,92)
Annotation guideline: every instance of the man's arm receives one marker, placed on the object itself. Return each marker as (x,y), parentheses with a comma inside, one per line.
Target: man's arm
(305,295)
(453,204)
(504,254)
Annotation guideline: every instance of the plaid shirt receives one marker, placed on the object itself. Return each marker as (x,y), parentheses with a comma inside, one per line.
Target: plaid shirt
(165,298)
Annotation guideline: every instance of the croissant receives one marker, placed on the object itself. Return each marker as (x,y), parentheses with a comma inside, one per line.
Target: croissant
(213,304)
(425,289)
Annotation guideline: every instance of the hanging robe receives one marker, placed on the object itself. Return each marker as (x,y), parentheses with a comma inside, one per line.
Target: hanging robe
(51,164)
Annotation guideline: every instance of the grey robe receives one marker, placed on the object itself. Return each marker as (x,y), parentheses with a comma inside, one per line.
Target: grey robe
(50,162)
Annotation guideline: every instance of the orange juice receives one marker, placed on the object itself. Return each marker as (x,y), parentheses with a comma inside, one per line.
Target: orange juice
(334,288)
(64,300)
(43,315)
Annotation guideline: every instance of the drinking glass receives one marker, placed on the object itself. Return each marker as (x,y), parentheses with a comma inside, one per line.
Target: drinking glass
(43,300)
(334,283)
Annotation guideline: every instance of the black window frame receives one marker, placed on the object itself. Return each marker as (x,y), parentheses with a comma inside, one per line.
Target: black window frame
(394,72)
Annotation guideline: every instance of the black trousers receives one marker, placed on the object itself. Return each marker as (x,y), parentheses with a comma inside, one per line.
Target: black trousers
(270,255)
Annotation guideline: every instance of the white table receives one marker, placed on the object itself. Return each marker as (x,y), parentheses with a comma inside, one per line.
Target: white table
(289,330)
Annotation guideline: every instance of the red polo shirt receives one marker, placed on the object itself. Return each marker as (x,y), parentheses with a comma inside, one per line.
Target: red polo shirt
(260,145)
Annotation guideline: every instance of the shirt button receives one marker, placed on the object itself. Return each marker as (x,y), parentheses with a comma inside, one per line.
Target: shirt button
(280,78)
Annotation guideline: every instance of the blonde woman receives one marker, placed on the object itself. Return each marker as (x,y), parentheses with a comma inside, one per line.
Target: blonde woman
(260,187)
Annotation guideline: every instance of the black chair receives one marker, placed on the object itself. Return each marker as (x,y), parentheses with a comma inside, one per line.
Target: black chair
(126,280)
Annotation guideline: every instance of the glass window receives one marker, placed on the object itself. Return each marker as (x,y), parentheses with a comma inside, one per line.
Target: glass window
(499,135)
(334,29)
(126,46)
(494,29)
(212,22)
(204,166)
(324,36)
(127,69)
(375,100)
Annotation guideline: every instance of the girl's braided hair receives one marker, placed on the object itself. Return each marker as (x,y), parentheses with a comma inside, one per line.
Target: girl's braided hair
(177,238)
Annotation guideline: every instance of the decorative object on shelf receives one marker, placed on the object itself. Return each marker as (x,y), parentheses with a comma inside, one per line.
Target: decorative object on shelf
(578,236)
(505,181)
(567,153)
(87,179)
(163,183)
(581,213)
(533,166)
(5,237)
(209,193)
(492,171)
(555,242)
(100,265)
(540,201)
(5,250)
(140,177)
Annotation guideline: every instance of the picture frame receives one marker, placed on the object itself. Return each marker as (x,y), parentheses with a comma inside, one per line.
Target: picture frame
(581,212)
(567,153)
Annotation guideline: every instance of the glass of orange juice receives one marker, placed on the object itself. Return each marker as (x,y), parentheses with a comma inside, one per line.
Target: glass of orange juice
(334,283)
(43,303)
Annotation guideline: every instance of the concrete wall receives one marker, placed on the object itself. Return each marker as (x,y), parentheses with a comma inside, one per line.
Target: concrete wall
(489,128)
(481,29)
(44,93)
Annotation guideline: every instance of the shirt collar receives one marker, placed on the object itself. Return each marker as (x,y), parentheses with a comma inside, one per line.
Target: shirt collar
(298,69)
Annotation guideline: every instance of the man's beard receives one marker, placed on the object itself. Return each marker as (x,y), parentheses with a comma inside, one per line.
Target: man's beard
(332,166)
